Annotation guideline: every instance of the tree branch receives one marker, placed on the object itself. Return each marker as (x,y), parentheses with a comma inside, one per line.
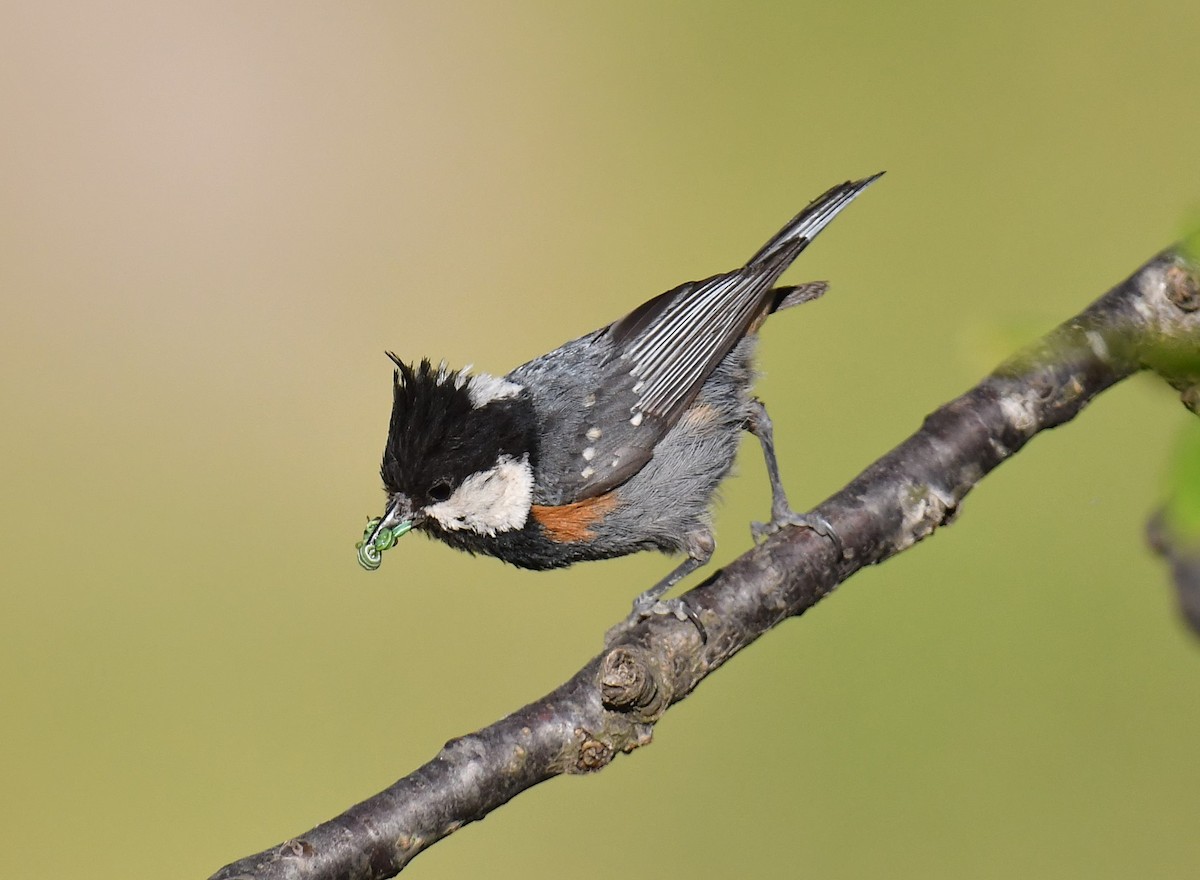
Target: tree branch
(611,705)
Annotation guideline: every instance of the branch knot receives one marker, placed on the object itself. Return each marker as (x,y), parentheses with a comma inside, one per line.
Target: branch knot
(1182,288)
(593,754)
(629,684)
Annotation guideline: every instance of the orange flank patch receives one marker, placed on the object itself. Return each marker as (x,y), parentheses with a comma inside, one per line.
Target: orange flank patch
(572,522)
(698,415)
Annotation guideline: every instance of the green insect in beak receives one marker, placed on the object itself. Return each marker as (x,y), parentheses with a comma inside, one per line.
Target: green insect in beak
(378,538)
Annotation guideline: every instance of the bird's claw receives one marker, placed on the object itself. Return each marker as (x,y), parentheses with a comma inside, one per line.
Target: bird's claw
(814,521)
(646,606)
(677,608)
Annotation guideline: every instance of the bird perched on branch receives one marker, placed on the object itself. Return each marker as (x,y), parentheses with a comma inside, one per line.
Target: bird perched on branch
(613,443)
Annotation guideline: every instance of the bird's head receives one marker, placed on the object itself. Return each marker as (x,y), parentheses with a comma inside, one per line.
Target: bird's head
(460,454)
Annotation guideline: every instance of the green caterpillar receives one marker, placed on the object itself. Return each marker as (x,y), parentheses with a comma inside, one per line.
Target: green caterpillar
(371,555)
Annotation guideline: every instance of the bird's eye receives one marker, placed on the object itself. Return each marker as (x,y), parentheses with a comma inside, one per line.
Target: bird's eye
(439,491)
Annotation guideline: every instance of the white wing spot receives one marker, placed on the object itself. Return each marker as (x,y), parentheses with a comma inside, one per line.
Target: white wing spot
(594,433)
(587,472)
(589,453)
(590,400)
(637,419)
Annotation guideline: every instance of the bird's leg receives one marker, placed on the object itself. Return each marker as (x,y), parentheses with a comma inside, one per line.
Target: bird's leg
(759,424)
(700,547)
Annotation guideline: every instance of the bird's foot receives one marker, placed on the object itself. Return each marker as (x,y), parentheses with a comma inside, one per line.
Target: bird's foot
(649,604)
(788,517)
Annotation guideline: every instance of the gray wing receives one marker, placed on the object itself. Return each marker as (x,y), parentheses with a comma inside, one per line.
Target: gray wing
(652,363)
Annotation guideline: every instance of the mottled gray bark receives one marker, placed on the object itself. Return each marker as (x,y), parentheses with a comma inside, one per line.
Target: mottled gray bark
(1151,321)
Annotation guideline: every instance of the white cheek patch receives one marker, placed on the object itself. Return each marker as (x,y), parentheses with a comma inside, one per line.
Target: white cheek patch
(484,389)
(491,501)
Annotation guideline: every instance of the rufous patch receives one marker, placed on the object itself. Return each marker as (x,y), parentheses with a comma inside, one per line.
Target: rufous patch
(698,415)
(566,523)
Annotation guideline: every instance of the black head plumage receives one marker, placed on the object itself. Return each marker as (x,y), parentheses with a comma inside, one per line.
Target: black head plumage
(439,436)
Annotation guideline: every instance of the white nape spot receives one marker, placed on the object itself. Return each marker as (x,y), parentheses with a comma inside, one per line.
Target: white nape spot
(1098,345)
(491,501)
(587,472)
(589,454)
(590,400)
(637,419)
(593,433)
(484,389)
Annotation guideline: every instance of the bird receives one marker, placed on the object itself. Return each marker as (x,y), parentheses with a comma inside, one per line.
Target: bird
(613,443)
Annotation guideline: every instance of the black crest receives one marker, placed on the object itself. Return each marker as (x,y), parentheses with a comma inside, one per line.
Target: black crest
(438,437)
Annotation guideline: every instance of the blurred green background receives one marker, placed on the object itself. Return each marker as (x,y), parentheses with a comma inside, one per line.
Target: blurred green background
(216,217)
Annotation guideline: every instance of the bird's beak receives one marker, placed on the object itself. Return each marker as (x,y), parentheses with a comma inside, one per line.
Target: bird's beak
(383,532)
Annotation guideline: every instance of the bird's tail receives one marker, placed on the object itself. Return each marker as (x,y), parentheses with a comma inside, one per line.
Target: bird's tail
(803,228)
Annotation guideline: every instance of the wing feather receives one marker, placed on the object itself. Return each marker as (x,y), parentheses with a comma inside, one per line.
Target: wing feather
(661,353)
